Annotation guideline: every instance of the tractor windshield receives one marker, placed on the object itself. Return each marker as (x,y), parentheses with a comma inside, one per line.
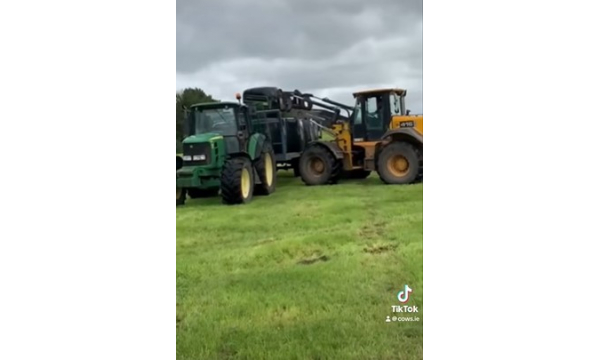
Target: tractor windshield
(220,120)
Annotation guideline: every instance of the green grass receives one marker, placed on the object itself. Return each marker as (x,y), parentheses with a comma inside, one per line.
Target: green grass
(305,273)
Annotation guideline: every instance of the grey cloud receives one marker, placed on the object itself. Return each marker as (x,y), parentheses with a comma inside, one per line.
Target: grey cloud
(333,45)
(213,31)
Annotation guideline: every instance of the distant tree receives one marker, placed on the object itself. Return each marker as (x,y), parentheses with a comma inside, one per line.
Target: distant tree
(187,98)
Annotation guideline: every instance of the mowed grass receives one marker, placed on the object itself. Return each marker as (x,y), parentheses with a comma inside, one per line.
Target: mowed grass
(305,273)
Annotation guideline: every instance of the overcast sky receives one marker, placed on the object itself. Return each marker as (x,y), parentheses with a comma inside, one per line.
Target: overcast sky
(329,48)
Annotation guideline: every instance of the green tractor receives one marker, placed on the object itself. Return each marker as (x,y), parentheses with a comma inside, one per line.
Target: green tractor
(223,154)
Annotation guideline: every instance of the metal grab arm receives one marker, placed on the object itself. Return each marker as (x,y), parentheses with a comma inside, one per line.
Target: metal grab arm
(324,103)
(326,129)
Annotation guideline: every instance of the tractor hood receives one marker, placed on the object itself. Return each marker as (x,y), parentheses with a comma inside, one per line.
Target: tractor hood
(207,137)
(203,151)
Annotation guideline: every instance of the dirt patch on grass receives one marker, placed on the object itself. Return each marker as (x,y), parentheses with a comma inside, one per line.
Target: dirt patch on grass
(372,231)
(313,259)
(379,248)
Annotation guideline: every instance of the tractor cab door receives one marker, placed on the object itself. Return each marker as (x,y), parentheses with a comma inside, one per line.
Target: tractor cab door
(369,117)
(244,129)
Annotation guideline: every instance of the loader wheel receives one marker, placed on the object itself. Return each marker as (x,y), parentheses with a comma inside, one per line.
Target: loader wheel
(237,181)
(398,163)
(266,167)
(196,193)
(181,194)
(318,166)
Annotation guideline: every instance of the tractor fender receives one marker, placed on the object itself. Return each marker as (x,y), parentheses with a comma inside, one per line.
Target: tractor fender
(255,145)
(238,154)
(406,134)
(330,145)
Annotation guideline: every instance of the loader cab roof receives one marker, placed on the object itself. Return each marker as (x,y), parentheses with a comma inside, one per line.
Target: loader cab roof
(372,92)
(212,105)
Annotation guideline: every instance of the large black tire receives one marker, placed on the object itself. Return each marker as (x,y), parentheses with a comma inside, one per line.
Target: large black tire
(398,163)
(232,189)
(181,195)
(318,166)
(420,176)
(196,193)
(267,178)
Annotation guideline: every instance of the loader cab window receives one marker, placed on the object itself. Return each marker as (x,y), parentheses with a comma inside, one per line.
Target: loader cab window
(219,120)
(374,111)
(357,114)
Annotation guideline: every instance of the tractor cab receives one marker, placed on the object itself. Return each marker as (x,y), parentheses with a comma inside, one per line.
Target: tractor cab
(214,128)
(374,111)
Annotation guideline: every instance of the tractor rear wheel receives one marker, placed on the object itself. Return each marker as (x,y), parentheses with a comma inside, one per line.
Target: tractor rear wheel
(318,166)
(398,163)
(181,194)
(237,181)
(266,167)
(196,193)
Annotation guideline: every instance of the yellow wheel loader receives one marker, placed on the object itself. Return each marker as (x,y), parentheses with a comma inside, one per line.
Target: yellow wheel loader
(379,136)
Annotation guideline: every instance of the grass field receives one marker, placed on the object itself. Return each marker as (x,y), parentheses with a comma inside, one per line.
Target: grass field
(305,273)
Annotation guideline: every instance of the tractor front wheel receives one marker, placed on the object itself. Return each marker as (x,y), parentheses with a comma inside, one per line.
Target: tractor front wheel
(237,181)
(398,163)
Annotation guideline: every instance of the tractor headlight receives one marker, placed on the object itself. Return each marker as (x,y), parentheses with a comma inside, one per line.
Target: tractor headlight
(187,158)
(199,157)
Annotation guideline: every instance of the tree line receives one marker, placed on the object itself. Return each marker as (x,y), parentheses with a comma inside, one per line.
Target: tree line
(186,98)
